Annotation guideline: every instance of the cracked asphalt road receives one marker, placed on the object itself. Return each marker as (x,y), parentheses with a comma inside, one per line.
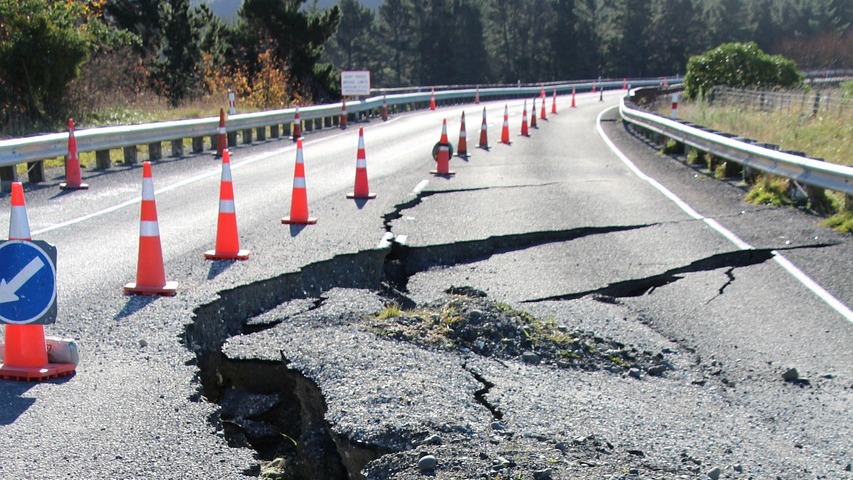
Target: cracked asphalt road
(554,225)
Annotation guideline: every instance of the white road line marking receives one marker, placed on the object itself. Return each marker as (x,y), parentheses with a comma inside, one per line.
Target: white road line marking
(780,259)
(420,187)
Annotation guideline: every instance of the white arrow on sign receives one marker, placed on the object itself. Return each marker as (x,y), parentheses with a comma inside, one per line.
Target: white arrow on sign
(7,290)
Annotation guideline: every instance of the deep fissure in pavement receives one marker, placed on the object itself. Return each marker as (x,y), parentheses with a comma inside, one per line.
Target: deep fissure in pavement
(645,286)
(291,427)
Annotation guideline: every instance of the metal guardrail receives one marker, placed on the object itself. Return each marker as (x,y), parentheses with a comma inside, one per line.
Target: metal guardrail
(38,148)
(812,172)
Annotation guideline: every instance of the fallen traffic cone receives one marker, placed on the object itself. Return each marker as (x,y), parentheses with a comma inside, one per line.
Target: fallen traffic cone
(361,189)
(442,158)
(25,350)
(227,240)
(299,200)
(73,179)
(297,125)
(484,133)
(462,148)
(343,113)
(150,272)
(554,102)
(533,123)
(477,97)
(542,114)
(524,131)
(505,129)
(221,139)
(432,100)
(573,97)
(384,111)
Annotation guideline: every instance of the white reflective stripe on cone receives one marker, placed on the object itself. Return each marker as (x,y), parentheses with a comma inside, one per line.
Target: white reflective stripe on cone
(226,206)
(149,229)
(299,182)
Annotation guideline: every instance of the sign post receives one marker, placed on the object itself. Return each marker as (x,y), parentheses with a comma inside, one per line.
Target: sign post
(355,83)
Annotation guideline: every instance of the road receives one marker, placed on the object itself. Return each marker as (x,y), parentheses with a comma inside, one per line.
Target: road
(555,224)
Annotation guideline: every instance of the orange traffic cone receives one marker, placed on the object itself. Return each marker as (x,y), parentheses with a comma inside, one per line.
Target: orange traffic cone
(221,139)
(384,111)
(361,189)
(477,97)
(665,83)
(443,157)
(343,113)
(505,129)
(625,83)
(542,114)
(533,115)
(297,125)
(573,97)
(524,131)
(554,102)
(432,100)
(227,241)
(462,148)
(593,86)
(299,201)
(73,179)
(25,356)
(484,133)
(150,272)
(542,91)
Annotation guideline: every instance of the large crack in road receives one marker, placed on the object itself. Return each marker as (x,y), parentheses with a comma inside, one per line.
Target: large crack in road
(294,418)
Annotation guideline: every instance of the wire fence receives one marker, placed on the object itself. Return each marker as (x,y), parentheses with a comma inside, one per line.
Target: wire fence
(813,102)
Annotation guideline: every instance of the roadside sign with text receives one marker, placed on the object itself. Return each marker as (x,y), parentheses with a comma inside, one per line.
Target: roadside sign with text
(355,83)
(27,282)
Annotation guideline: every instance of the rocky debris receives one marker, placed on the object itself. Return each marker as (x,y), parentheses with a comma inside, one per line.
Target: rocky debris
(714,473)
(793,376)
(427,463)
(468,321)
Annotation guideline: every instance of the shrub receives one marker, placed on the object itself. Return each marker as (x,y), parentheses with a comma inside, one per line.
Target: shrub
(738,65)
(769,190)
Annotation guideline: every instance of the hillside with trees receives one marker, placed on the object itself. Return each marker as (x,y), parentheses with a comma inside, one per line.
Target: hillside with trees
(92,59)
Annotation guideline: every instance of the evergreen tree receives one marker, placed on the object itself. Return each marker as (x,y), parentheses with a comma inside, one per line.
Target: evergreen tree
(396,30)
(350,46)
(296,37)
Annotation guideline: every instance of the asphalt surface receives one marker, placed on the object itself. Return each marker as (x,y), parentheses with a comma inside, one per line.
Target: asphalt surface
(555,224)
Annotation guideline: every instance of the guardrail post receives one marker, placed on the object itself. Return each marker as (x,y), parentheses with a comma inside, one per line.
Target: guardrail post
(748,174)
(129,154)
(247,136)
(8,175)
(155,151)
(847,203)
(274,131)
(327,122)
(198,144)
(309,124)
(261,133)
(35,171)
(102,159)
(231,138)
(178,147)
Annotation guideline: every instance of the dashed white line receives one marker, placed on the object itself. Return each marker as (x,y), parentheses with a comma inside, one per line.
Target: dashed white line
(795,272)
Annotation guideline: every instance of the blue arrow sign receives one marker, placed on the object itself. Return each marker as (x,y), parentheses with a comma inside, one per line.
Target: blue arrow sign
(27,282)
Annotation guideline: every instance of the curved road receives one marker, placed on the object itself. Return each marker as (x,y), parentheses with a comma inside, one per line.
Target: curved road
(556,224)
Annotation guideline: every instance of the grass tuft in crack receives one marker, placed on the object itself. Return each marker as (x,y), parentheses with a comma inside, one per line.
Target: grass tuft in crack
(468,322)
